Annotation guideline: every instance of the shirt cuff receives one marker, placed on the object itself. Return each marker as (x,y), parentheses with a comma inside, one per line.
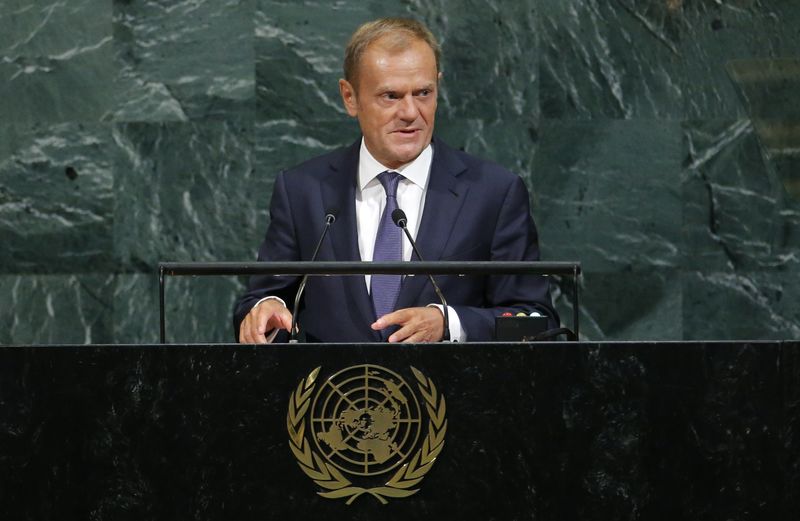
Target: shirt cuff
(457,333)
(272,334)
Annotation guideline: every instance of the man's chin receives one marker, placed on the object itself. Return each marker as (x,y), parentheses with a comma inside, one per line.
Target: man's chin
(405,156)
(407,152)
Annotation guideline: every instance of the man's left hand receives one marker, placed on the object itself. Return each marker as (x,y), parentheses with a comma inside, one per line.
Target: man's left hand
(416,324)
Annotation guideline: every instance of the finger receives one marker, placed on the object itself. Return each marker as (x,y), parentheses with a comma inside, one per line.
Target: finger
(260,324)
(285,319)
(417,337)
(243,332)
(399,317)
(248,329)
(402,334)
(280,319)
(248,335)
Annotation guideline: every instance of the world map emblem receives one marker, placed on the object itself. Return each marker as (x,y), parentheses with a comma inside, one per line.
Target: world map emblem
(363,431)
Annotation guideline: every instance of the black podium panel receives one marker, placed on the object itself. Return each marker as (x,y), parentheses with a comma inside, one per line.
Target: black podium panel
(547,431)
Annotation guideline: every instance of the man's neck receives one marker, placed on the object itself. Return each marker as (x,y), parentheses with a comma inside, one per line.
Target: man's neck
(416,171)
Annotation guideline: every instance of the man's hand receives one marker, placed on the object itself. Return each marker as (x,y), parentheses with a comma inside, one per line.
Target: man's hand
(416,324)
(263,318)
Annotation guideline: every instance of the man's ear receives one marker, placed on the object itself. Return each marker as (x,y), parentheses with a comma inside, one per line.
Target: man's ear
(348,97)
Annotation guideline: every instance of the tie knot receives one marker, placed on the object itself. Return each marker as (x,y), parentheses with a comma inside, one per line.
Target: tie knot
(390,180)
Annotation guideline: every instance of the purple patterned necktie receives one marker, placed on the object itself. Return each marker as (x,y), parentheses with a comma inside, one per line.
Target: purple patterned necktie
(388,248)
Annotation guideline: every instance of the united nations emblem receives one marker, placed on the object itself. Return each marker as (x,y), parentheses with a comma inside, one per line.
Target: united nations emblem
(364,424)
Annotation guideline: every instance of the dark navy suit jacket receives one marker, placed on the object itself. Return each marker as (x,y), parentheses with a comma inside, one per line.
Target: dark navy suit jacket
(474,210)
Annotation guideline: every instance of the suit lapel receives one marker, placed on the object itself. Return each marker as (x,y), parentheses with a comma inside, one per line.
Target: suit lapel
(443,202)
(339,192)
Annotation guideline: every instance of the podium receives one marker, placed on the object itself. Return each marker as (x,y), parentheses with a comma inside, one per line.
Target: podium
(523,431)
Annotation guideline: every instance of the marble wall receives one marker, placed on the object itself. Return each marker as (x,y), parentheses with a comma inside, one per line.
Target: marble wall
(659,138)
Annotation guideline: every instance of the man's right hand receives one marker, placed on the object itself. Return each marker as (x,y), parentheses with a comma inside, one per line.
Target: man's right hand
(263,318)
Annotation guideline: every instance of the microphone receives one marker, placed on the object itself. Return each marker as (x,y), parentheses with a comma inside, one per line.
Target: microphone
(330,218)
(399,219)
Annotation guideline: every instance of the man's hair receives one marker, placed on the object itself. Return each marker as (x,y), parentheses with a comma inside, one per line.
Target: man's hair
(396,33)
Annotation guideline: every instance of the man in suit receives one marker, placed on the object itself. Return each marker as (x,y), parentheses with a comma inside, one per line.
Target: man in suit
(459,207)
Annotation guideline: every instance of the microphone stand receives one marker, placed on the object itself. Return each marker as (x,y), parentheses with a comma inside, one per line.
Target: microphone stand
(399,218)
(330,218)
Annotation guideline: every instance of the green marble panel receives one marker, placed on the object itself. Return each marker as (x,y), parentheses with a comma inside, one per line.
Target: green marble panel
(56,62)
(56,198)
(769,90)
(300,48)
(741,305)
(186,192)
(719,34)
(136,306)
(299,52)
(56,309)
(609,194)
(737,214)
(282,144)
(768,87)
(198,309)
(184,60)
(634,305)
(509,143)
(591,68)
(661,59)
(786,164)
(490,58)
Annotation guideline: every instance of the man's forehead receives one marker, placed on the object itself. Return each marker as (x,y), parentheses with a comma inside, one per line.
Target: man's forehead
(414,58)
(395,48)
(383,62)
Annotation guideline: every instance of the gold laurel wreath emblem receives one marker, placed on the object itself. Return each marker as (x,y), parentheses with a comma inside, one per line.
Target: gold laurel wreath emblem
(327,476)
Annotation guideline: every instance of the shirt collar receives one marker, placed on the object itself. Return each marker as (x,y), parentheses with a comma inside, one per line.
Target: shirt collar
(416,171)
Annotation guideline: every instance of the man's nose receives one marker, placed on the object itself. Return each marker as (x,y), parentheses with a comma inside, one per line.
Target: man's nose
(408,110)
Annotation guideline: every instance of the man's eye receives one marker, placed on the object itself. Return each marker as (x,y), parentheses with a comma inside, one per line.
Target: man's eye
(390,95)
(425,92)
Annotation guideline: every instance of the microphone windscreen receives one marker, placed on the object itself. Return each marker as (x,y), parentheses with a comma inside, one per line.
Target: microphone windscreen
(331,214)
(399,218)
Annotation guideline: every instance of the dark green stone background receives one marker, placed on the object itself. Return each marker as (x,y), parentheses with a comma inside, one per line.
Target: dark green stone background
(660,138)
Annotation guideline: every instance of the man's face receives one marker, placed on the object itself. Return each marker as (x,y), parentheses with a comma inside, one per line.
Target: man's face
(394,101)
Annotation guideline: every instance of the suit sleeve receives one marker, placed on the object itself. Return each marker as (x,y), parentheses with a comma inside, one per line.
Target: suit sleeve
(279,244)
(514,239)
